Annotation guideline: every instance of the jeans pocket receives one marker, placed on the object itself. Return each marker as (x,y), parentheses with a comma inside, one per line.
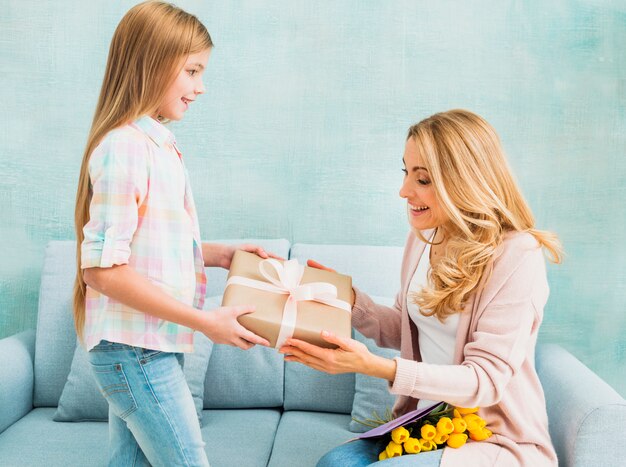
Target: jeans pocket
(149,354)
(114,386)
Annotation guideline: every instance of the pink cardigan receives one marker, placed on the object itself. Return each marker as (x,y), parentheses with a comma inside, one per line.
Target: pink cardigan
(493,359)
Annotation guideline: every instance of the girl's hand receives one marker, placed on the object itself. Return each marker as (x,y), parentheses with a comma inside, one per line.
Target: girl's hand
(229,250)
(222,327)
(350,356)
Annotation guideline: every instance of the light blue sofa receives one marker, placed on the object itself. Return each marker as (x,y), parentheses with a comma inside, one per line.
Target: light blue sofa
(258,410)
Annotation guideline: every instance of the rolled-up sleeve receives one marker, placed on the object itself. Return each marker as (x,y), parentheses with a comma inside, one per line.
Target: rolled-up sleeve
(119,173)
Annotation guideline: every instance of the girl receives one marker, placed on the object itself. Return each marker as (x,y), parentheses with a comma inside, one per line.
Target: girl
(471,302)
(140,279)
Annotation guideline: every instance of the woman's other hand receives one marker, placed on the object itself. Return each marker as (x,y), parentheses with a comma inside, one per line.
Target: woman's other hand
(350,356)
(314,264)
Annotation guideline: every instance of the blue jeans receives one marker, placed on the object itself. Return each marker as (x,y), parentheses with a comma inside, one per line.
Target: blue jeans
(152,419)
(364,452)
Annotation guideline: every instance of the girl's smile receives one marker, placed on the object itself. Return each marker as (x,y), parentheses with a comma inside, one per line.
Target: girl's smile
(185,88)
(186,102)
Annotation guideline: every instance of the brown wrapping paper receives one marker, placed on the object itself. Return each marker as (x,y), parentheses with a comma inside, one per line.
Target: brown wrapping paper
(312,318)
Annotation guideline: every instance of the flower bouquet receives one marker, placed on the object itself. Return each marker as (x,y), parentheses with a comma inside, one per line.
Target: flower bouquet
(427,429)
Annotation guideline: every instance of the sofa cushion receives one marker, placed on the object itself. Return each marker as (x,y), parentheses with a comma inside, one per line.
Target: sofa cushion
(195,368)
(371,394)
(36,440)
(81,399)
(56,339)
(240,437)
(309,389)
(233,437)
(303,437)
(239,378)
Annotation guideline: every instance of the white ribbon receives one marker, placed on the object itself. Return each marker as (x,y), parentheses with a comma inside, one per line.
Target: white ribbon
(288,283)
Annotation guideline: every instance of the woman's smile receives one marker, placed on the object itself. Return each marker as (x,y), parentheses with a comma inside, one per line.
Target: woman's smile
(417,210)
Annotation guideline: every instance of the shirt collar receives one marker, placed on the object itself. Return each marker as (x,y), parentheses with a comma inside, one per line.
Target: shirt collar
(155,130)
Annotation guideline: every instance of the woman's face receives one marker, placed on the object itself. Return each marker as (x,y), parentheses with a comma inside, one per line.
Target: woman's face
(423,208)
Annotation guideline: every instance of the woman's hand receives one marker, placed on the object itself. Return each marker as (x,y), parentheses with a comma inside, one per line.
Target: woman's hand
(222,327)
(350,356)
(314,264)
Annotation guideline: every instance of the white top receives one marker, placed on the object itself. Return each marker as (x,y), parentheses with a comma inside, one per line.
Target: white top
(436,339)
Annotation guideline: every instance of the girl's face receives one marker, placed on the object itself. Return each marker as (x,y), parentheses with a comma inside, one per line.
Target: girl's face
(185,88)
(423,208)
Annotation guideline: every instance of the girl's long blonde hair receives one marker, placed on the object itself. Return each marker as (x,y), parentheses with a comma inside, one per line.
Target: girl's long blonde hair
(478,193)
(147,52)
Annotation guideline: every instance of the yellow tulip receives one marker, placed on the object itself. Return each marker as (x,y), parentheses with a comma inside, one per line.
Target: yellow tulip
(393,449)
(457,414)
(459,425)
(382,456)
(440,438)
(412,446)
(456,440)
(465,410)
(428,432)
(445,426)
(428,445)
(480,435)
(399,435)
(474,422)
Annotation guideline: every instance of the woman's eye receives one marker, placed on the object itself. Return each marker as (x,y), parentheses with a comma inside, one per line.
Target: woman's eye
(406,172)
(423,181)
(192,72)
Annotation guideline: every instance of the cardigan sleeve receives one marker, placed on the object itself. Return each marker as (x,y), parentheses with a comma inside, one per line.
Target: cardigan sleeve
(379,322)
(499,344)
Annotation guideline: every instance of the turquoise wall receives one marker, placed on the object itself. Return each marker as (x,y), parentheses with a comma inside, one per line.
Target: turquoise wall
(301,131)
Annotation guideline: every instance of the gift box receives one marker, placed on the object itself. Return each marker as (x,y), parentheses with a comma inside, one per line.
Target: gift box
(291,300)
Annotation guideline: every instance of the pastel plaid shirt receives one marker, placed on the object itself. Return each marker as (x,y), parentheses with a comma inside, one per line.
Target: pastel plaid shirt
(142,214)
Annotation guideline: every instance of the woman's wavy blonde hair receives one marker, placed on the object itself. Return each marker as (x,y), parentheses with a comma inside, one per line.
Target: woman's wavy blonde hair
(478,193)
(148,49)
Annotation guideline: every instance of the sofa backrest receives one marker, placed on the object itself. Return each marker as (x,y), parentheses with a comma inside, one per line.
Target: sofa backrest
(374,269)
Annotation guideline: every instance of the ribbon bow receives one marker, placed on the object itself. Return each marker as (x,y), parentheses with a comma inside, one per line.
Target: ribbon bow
(288,283)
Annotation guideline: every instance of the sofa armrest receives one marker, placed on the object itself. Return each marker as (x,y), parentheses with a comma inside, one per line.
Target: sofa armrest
(17,354)
(587,417)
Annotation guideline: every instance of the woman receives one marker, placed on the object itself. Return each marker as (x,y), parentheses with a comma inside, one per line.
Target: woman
(473,288)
